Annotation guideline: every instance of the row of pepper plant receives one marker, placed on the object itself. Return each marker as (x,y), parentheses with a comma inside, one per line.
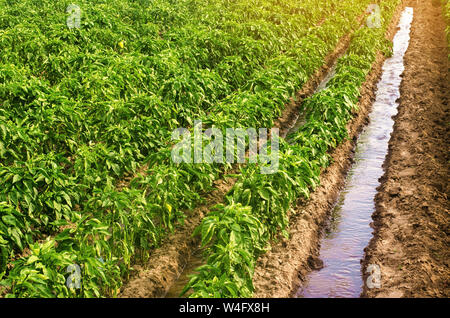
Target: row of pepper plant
(235,234)
(83,108)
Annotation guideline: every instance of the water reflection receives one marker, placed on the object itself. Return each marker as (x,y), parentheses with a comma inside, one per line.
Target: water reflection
(349,232)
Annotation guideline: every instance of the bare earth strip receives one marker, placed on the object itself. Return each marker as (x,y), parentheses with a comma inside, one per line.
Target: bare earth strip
(411,222)
(167,262)
(280,272)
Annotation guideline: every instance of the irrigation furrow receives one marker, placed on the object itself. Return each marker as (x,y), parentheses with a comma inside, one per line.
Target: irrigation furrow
(281,271)
(288,123)
(168,263)
(348,231)
(411,219)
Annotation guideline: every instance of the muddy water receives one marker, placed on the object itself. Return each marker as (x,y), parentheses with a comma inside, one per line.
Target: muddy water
(195,261)
(300,120)
(349,231)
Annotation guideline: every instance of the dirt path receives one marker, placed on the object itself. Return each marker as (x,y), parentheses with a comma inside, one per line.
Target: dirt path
(411,243)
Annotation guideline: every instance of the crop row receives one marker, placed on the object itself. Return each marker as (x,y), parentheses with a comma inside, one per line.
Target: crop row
(81,108)
(235,234)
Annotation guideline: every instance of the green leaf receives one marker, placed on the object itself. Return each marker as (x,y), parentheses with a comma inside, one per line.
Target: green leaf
(32,259)
(207,232)
(264,194)
(16,178)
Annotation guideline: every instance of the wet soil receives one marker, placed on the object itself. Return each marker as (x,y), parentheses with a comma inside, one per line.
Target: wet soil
(348,231)
(280,272)
(412,221)
(167,263)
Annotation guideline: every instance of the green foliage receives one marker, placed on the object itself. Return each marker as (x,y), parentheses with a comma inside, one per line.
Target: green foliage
(269,197)
(83,110)
(238,235)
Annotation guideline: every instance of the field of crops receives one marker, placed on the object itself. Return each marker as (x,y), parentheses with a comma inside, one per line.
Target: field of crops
(88,184)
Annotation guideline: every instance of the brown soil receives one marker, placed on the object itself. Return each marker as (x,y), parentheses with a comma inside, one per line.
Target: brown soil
(167,263)
(280,272)
(412,196)
(288,117)
(411,222)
